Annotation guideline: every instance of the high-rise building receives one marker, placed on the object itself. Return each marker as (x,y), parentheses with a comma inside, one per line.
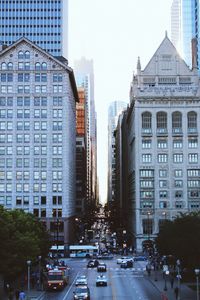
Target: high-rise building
(185,29)
(114,110)
(41,21)
(81,157)
(37,121)
(163,124)
(84,75)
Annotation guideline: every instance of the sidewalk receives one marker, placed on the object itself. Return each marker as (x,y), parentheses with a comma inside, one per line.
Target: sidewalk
(33,295)
(158,282)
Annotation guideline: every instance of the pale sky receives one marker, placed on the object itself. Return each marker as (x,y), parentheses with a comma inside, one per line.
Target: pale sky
(114,33)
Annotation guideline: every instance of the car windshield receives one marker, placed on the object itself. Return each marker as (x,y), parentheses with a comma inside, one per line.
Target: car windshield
(81,290)
(55,277)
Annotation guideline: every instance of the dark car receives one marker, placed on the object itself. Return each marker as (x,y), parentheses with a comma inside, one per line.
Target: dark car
(101,268)
(82,292)
(93,263)
(140,258)
(127,264)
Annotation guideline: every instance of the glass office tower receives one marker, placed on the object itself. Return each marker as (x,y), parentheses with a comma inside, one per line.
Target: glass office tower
(43,22)
(185,28)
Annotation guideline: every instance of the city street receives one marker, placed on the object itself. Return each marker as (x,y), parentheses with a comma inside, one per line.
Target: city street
(130,283)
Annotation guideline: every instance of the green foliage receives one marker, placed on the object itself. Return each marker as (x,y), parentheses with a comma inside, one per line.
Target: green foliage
(23,237)
(181,238)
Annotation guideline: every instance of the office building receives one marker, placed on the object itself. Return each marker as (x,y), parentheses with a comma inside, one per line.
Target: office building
(185,29)
(114,110)
(163,123)
(84,75)
(38,136)
(43,22)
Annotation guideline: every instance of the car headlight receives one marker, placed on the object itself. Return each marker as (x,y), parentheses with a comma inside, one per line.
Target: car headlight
(85,297)
(76,297)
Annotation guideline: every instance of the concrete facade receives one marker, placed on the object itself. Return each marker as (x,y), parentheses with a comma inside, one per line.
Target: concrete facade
(163,139)
(38,135)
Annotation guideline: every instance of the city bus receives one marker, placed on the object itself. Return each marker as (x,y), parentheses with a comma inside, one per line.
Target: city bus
(83,251)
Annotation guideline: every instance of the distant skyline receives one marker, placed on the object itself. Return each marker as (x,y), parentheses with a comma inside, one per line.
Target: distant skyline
(114,33)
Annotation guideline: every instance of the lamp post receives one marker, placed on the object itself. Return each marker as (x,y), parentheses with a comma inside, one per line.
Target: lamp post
(148,214)
(57,234)
(197,271)
(29,266)
(39,260)
(178,263)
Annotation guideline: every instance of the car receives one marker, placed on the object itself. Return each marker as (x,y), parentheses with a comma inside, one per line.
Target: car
(92,263)
(140,258)
(81,280)
(82,292)
(101,280)
(127,264)
(101,268)
(124,258)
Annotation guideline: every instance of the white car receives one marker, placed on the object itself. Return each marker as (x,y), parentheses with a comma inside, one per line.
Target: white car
(101,280)
(124,259)
(81,280)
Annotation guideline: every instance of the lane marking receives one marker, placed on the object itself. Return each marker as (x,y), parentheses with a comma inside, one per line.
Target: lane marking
(65,297)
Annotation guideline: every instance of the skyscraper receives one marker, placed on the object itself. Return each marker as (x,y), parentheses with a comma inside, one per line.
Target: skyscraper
(185,29)
(115,108)
(41,21)
(84,75)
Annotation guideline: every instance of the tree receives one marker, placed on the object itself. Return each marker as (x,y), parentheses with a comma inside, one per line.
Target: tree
(23,237)
(181,238)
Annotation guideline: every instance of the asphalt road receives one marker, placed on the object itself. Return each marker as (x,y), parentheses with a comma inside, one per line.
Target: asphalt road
(127,284)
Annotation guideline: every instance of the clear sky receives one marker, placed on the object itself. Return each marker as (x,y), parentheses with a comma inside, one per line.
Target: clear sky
(114,33)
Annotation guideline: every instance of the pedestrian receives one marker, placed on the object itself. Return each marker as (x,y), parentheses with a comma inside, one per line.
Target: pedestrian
(172,281)
(11,294)
(22,295)
(17,294)
(176,292)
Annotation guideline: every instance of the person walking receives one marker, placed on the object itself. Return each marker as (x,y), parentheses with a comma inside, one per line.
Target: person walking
(22,295)
(176,292)
(172,281)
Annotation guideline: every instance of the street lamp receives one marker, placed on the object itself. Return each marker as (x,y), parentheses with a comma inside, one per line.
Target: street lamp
(178,276)
(164,214)
(29,266)
(148,215)
(197,271)
(165,278)
(39,260)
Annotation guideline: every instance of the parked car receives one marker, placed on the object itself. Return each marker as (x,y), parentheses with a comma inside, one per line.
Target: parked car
(124,259)
(81,280)
(82,292)
(92,263)
(101,268)
(101,280)
(127,264)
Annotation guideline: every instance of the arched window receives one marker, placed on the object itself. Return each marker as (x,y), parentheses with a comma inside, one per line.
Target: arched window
(146,122)
(20,54)
(37,66)
(161,119)
(10,66)
(44,66)
(3,66)
(176,122)
(27,55)
(192,121)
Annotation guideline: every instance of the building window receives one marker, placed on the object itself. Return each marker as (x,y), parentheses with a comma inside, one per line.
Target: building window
(163,183)
(178,158)
(193,173)
(146,158)
(192,143)
(146,183)
(163,173)
(161,118)
(178,183)
(178,173)
(178,194)
(192,121)
(146,144)
(162,144)
(177,143)
(163,194)
(176,122)
(162,158)
(193,183)
(162,204)
(193,158)
(147,225)
(146,173)
(146,122)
